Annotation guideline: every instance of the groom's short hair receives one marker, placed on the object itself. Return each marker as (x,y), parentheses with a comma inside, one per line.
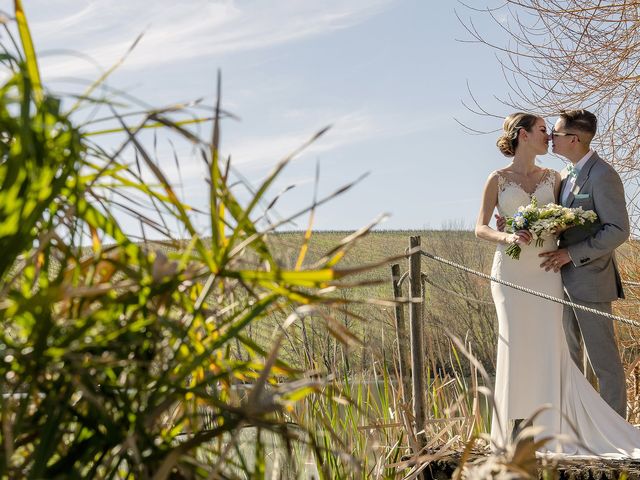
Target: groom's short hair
(582,120)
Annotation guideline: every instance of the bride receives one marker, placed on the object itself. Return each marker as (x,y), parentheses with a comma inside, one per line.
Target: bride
(536,379)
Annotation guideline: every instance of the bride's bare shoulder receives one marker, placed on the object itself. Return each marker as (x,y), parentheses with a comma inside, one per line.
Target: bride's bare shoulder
(495,176)
(507,173)
(501,173)
(495,180)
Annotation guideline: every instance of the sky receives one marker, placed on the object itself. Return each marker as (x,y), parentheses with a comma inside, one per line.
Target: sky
(389,77)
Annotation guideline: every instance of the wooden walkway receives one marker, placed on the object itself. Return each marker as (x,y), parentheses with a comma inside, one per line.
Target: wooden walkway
(560,470)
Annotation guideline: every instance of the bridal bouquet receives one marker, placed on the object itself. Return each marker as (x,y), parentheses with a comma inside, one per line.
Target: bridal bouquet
(545,220)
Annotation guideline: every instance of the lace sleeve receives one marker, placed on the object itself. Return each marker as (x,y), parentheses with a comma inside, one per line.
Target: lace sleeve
(501,181)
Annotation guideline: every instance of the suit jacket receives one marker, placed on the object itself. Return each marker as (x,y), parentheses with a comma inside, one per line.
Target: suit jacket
(593,274)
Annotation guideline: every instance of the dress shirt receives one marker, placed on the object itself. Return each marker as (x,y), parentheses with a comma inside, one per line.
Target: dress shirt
(571,181)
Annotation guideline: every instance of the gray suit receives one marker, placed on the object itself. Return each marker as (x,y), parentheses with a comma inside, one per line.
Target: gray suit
(592,279)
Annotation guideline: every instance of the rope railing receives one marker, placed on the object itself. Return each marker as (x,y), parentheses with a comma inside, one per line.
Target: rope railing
(577,306)
(467,298)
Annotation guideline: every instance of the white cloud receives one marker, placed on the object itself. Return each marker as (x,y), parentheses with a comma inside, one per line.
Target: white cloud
(254,155)
(177,31)
(347,129)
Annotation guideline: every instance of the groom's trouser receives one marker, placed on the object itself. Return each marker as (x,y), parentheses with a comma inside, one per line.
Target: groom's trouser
(600,342)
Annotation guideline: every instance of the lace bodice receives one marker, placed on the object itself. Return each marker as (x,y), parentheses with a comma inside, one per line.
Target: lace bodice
(512,195)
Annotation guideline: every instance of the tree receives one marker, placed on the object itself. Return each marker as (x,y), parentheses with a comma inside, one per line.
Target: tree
(563,54)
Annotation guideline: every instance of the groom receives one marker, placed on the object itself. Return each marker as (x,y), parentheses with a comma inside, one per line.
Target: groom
(586,256)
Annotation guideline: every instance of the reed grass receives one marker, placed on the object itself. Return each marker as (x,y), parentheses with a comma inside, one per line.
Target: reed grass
(128,359)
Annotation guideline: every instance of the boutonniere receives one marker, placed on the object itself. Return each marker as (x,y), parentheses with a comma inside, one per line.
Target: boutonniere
(572,171)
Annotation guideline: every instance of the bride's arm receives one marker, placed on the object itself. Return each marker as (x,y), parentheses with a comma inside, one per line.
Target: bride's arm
(489,202)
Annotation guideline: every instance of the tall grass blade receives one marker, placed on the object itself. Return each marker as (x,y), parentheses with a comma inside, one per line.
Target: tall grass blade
(104,76)
(307,234)
(30,57)
(243,219)
(214,178)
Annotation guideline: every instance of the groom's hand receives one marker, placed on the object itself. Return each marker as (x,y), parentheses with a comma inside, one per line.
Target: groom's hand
(555,260)
(501,222)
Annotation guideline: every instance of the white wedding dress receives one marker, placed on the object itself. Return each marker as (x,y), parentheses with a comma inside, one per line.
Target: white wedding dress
(534,370)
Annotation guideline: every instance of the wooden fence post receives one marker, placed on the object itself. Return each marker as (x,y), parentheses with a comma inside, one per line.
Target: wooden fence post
(417,349)
(401,334)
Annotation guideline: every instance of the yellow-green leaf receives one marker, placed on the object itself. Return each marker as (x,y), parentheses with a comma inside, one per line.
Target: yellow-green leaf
(29,51)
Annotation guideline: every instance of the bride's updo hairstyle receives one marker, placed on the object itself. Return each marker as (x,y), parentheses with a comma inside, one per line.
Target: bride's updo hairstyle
(508,141)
